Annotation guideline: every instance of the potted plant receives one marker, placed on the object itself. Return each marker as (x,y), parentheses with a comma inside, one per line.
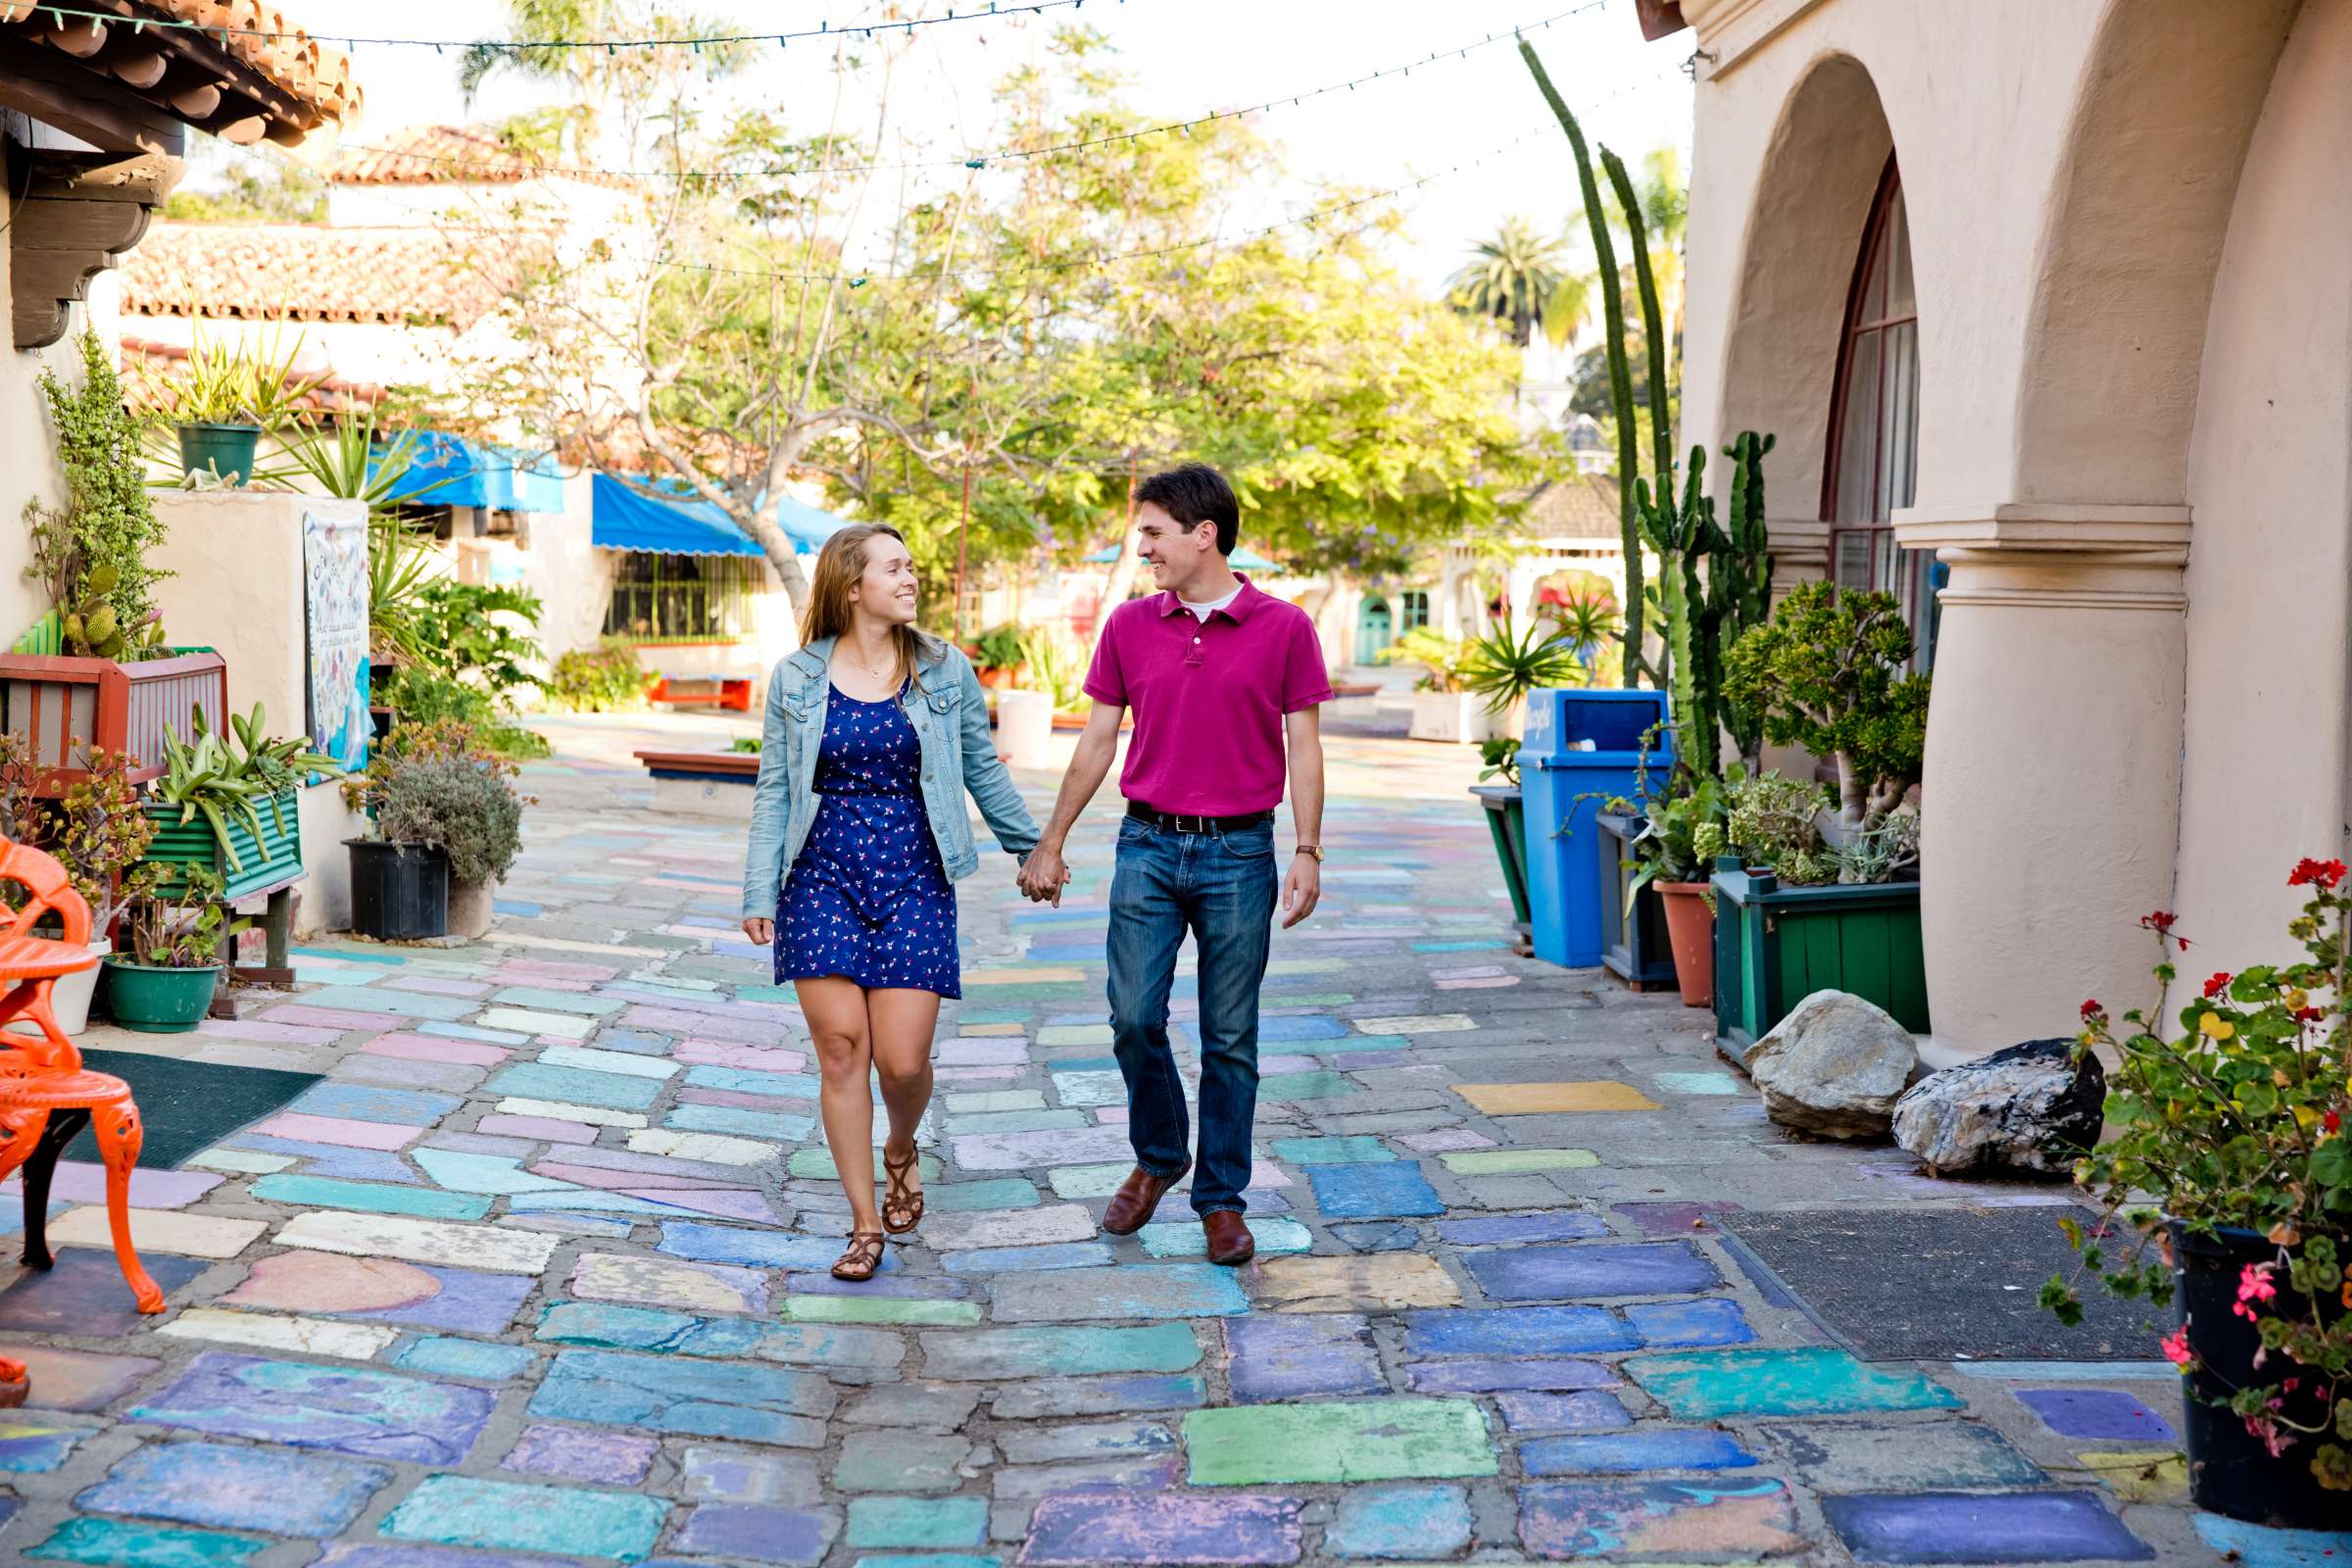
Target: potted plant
(1507,663)
(1674,853)
(448,826)
(2227,1160)
(231,808)
(1444,707)
(96,832)
(224,398)
(999,656)
(164,984)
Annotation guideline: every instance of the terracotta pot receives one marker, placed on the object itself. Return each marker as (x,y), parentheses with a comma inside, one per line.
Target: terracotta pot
(999,675)
(1691,928)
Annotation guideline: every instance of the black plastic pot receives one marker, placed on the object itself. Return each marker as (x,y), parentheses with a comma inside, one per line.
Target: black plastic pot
(2229,1471)
(398,891)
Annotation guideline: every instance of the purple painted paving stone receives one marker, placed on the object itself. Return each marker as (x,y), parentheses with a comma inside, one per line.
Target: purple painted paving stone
(1593,1269)
(238,1489)
(1684,1520)
(373,1414)
(708,1473)
(1517,1331)
(1672,1219)
(78,1380)
(616,1458)
(84,1295)
(2103,1415)
(1625,1453)
(760,1535)
(1490,1229)
(383,1289)
(1377,1236)
(1974,1527)
(1280,1356)
(1589,1411)
(1681,1325)
(1079,1528)
(1550,1374)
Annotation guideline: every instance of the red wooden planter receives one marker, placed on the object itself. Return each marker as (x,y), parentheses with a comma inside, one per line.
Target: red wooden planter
(62,708)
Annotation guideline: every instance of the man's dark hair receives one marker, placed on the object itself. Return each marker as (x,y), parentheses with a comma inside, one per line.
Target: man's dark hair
(1194,493)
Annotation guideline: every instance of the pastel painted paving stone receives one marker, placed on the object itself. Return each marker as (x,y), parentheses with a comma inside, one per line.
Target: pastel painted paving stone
(1584,1411)
(462,1511)
(303,1405)
(1138,1291)
(1099,1396)
(1516,1161)
(309,1336)
(1419,1522)
(365,1102)
(2141,1476)
(125,1543)
(1672,1519)
(2260,1547)
(1626,1453)
(2104,1415)
(1697,1083)
(637,1327)
(1030,1352)
(694,1398)
(383,1290)
(1342,1439)
(1376,1235)
(1011,1227)
(660,1282)
(1379,1282)
(1489,1229)
(1054,1255)
(1373,1192)
(464,1359)
(1275,1236)
(159,1230)
(1356,1150)
(918,1521)
(1531,1100)
(900,1461)
(963,1198)
(1974,1527)
(1703,1385)
(578,1453)
(1518,1331)
(325,1192)
(32,1446)
(754,1248)
(523,1021)
(298,1127)
(1419,1024)
(1489,1377)
(78,1380)
(830,1345)
(576,1085)
(910,1312)
(1073,1529)
(1592,1269)
(419,1241)
(1675,1325)
(1285,1086)
(238,1489)
(1286,1357)
(757,1534)
(489,1174)
(1940,1455)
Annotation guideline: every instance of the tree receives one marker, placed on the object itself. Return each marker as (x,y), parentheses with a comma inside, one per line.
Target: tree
(1521,278)
(278,193)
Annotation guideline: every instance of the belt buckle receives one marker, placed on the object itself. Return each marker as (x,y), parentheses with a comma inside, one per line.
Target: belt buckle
(1200,823)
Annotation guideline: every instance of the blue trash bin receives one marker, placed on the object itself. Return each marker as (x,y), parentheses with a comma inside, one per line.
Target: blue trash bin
(1580,747)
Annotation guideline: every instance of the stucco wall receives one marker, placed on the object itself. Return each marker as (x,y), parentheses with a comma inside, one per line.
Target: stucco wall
(2270,481)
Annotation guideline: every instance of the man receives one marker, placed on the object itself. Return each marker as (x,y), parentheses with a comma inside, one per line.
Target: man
(1219,675)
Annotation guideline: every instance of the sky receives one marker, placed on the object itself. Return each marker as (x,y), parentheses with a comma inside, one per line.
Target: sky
(1185,57)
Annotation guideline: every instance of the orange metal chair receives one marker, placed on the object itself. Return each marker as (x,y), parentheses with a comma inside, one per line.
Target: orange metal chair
(46,1095)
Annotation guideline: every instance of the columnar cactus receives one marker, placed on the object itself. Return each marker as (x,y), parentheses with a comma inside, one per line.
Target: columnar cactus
(1739,578)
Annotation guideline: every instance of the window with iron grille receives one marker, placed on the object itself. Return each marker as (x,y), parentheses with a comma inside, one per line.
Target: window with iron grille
(682,598)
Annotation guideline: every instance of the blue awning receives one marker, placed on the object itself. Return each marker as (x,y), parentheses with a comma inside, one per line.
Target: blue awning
(626,519)
(450,471)
(1242,559)
(809,528)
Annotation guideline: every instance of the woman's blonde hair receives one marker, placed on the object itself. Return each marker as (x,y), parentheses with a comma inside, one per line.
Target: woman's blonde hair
(840,565)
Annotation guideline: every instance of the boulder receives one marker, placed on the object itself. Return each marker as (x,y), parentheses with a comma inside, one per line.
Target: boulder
(1835,1067)
(2031,1108)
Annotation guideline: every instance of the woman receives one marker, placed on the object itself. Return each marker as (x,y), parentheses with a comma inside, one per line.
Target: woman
(874,731)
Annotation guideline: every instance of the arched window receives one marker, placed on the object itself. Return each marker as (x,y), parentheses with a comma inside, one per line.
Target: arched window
(1874,422)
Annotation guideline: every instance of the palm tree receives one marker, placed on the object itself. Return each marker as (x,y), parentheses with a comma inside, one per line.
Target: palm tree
(1521,278)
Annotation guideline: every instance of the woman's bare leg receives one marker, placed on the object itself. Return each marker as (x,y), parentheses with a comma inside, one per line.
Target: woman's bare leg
(900,1025)
(836,1011)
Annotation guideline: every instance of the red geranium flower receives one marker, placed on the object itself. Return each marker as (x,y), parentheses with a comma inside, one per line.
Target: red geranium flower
(2160,920)
(2310,1014)
(2219,983)
(2091,1009)
(2326,873)
(2333,1121)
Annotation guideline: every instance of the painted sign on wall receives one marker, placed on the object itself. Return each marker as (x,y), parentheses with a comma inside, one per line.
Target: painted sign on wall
(334,557)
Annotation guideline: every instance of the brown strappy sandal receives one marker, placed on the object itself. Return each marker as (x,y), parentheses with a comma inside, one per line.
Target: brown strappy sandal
(857,1264)
(903,1197)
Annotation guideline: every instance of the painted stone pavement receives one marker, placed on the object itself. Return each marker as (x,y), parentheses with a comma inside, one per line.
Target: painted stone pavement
(538,1271)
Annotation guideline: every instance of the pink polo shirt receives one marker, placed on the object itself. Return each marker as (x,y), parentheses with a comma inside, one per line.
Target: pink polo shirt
(1208,698)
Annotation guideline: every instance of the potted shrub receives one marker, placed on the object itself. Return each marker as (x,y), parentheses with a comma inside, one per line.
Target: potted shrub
(231,808)
(1507,663)
(95,830)
(223,398)
(448,826)
(164,983)
(2226,1177)
(1674,853)
(999,656)
(1444,707)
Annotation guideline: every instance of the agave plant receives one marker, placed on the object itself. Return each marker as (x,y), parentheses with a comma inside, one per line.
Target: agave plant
(1507,663)
(220,781)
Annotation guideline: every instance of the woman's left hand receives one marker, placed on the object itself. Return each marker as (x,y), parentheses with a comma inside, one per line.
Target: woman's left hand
(760,931)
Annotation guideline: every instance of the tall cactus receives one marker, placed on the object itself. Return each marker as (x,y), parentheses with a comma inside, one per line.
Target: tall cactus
(1653,328)
(1739,578)
(1683,534)
(1621,382)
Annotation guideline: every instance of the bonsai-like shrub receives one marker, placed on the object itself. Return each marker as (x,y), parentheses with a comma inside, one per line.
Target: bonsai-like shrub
(1772,820)
(1828,673)
(465,810)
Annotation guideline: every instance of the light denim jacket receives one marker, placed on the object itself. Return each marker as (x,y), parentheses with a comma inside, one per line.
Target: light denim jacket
(951,720)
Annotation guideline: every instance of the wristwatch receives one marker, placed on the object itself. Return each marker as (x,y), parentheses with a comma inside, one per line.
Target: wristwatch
(1315,850)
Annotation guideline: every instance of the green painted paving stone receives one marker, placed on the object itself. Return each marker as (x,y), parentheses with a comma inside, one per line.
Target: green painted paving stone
(373,1198)
(1356,1150)
(1087,1181)
(1517,1161)
(563,1000)
(120,1543)
(918,1522)
(900,1461)
(1340,1440)
(575,1086)
(570,1521)
(1702,1385)
(1349,1043)
(880,1310)
(1184,1238)
(965,1198)
(1032,1352)
(1280,1086)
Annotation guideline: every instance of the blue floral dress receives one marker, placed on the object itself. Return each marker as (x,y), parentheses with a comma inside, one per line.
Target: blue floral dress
(867,899)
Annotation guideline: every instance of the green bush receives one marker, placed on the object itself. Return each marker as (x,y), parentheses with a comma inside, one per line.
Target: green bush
(999,647)
(464,809)
(597,680)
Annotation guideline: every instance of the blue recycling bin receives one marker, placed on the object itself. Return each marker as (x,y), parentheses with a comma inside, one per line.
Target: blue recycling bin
(1580,747)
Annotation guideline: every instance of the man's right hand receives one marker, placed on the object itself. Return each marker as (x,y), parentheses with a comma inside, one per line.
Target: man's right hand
(1044,875)
(760,931)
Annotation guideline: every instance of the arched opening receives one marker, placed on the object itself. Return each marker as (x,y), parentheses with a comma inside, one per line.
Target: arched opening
(1373,630)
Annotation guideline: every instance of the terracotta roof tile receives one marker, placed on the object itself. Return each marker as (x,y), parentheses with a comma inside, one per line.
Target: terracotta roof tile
(312,273)
(447,155)
(267,39)
(1580,506)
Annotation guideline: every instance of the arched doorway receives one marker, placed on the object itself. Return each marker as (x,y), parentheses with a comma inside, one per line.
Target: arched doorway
(1373,630)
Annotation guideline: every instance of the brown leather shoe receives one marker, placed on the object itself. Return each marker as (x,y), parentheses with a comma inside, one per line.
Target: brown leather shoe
(1137,1196)
(1229,1238)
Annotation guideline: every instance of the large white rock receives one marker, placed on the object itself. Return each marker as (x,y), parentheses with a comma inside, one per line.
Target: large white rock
(1835,1067)
(2029,1109)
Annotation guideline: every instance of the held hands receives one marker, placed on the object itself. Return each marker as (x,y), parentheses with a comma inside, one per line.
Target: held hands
(764,932)
(1043,876)
(1301,890)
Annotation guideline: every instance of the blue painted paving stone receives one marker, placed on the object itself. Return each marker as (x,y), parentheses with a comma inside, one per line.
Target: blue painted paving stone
(1517,1331)
(2104,1415)
(606,1326)
(695,1399)
(2257,1548)
(121,1544)
(1178,1529)
(1620,1454)
(372,1197)
(1100,1396)
(1369,1192)
(752,1249)
(571,1521)
(1419,1522)
(238,1489)
(1677,1325)
(1675,1519)
(760,1535)
(1275,1236)
(1550,1374)
(918,1522)
(1377,1236)
(900,1461)
(1588,1412)
(1702,1385)
(1309,1151)
(305,1406)
(332,1159)
(1282,1356)
(30,1447)
(1017,1259)
(1489,1230)
(1092,1440)
(85,1293)
(965,1198)
(576,1086)
(363,1102)
(463,1302)
(464,1359)
(1970,1527)
(1595,1269)
(707,1472)
(1135,1291)
(1940,1455)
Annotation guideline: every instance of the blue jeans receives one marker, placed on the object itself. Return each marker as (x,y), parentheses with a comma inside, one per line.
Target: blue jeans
(1220,887)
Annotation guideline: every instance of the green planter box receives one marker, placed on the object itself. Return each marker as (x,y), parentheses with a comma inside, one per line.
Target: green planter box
(1507,822)
(1776,945)
(264,863)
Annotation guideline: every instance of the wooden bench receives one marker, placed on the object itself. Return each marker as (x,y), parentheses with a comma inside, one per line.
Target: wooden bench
(703,691)
(705,783)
